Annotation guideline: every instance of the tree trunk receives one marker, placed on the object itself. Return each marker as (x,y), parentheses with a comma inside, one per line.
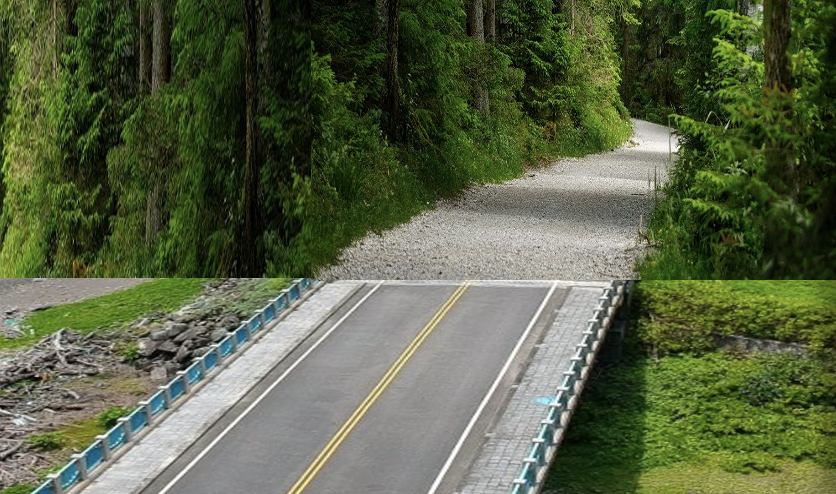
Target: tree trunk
(264,37)
(160,74)
(781,171)
(161,69)
(145,27)
(778,74)
(476,30)
(391,94)
(251,262)
(490,20)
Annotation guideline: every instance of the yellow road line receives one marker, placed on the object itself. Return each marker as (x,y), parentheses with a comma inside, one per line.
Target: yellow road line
(378,390)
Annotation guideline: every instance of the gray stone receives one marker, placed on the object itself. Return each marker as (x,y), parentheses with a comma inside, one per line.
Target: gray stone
(189,334)
(177,328)
(159,374)
(146,346)
(168,346)
(183,353)
(159,335)
(217,335)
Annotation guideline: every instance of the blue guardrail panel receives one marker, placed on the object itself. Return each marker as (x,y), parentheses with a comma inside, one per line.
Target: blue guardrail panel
(138,420)
(45,488)
(269,313)
(194,373)
(226,345)
(242,334)
(210,359)
(176,388)
(157,403)
(254,324)
(70,475)
(280,303)
(115,438)
(294,292)
(94,456)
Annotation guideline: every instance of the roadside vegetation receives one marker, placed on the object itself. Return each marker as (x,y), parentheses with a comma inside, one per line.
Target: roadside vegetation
(480,90)
(670,413)
(753,193)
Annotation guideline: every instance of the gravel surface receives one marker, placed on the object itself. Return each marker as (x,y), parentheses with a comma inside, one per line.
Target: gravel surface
(576,219)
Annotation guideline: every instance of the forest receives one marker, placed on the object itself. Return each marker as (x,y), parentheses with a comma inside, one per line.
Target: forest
(205,138)
(153,137)
(429,97)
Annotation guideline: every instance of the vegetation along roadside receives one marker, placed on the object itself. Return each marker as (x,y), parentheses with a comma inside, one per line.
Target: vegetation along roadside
(681,407)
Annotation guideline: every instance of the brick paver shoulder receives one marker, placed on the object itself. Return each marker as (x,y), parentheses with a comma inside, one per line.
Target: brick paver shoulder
(156,451)
(499,461)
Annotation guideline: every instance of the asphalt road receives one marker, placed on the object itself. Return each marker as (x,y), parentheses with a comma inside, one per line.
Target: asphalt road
(390,397)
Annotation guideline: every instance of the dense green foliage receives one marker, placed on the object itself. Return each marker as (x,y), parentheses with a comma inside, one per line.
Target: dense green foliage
(550,76)
(695,419)
(686,315)
(754,190)
(90,157)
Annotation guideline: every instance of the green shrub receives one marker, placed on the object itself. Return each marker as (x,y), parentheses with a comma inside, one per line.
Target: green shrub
(48,441)
(109,417)
(18,489)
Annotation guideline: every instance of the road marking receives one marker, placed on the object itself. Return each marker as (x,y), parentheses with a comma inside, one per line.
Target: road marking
(266,392)
(378,390)
(435,485)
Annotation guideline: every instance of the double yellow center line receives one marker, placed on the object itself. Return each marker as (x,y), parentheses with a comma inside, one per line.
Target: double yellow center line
(378,390)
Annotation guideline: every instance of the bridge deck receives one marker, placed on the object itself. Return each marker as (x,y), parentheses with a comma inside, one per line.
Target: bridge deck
(394,394)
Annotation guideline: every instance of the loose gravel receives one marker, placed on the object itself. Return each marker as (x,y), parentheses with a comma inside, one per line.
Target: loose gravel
(577,219)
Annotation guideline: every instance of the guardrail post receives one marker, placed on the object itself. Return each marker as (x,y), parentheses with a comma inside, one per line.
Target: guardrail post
(126,428)
(187,386)
(166,395)
(216,349)
(106,453)
(201,364)
(261,321)
(80,464)
(147,406)
(57,488)
(233,340)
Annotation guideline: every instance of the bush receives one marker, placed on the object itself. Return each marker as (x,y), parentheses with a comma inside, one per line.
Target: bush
(111,416)
(48,441)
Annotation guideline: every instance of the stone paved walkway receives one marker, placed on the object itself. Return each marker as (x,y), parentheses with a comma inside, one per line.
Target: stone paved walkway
(500,459)
(153,453)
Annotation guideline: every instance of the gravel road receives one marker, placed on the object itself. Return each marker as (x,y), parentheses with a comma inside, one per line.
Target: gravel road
(576,219)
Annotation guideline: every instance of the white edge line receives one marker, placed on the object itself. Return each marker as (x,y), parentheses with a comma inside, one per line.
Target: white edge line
(265,393)
(434,487)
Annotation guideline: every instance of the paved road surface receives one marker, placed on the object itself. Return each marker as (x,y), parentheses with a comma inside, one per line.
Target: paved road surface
(378,402)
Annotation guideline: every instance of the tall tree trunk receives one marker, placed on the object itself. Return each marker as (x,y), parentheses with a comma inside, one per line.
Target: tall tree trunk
(781,171)
(161,69)
(251,262)
(490,20)
(266,18)
(145,28)
(160,75)
(391,94)
(476,30)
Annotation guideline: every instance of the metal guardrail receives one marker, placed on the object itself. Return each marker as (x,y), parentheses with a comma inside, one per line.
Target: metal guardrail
(544,445)
(149,412)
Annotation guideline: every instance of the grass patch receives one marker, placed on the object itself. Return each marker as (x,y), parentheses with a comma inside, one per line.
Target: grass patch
(699,420)
(163,294)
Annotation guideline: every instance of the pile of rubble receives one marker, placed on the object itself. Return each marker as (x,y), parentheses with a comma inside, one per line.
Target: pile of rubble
(172,343)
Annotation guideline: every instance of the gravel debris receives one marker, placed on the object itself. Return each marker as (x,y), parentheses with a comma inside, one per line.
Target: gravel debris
(576,219)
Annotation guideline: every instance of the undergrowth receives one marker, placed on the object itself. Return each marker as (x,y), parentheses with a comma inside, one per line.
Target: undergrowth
(697,420)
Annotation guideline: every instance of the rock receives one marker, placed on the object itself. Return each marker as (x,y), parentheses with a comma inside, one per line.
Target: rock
(159,374)
(159,335)
(146,346)
(189,334)
(229,323)
(217,335)
(202,341)
(168,346)
(176,329)
(183,353)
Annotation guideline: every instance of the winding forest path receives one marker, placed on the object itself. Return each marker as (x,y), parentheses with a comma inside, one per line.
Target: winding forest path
(577,218)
